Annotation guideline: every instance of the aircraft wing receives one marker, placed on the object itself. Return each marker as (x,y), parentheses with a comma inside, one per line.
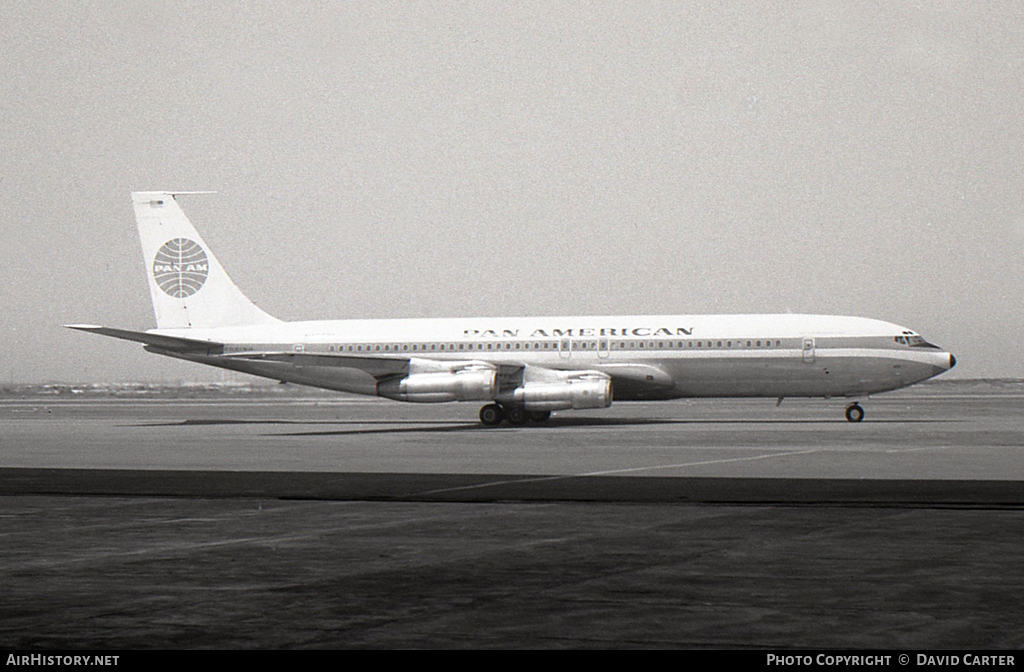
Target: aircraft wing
(632,380)
(378,367)
(171,343)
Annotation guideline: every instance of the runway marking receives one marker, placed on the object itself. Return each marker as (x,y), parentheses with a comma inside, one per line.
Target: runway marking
(542,479)
(702,463)
(920,448)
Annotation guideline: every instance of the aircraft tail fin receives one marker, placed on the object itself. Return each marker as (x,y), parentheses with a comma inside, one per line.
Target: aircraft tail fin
(188,286)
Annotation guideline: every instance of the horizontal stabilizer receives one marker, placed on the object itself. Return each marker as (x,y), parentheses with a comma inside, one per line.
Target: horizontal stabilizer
(173,343)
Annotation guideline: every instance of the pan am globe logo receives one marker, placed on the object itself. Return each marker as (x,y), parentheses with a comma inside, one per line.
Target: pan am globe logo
(180,267)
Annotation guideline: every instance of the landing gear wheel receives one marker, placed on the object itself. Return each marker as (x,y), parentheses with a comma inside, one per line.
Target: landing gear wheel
(540,416)
(491,415)
(854,413)
(517,416)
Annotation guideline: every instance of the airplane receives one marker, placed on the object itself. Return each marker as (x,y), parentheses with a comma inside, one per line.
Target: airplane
(522,367)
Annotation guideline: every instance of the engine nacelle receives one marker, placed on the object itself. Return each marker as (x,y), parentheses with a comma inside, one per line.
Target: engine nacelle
(590,391)
(467,385)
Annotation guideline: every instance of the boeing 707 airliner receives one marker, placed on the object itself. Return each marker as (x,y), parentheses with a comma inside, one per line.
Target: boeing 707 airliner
(523,368)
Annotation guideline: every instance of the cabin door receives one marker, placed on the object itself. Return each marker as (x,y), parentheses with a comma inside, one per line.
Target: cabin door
(808,350)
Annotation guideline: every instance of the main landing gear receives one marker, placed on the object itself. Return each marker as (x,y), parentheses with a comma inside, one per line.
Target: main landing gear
(492,415)
(854,413)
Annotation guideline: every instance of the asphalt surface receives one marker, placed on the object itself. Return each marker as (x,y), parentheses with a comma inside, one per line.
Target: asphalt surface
(330,523)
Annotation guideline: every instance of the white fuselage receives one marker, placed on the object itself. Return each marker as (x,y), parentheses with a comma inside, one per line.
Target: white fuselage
(647,357)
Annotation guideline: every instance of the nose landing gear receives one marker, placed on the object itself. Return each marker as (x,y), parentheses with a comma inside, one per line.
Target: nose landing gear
(854,413)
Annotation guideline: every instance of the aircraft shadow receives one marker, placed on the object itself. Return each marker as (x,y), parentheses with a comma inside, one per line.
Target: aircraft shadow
(199,422)
(360,427)
(417,426)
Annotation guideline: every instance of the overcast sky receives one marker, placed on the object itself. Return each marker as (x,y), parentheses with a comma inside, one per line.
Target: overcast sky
(436,159)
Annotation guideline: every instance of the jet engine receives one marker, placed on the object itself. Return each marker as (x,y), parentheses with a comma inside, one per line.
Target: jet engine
(459,382)
(548,390)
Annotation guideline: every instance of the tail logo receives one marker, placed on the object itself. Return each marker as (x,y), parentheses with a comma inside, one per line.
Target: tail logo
(180,267)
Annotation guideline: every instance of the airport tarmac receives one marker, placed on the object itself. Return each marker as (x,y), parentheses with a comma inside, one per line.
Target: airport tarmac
(905,436)
(341,522)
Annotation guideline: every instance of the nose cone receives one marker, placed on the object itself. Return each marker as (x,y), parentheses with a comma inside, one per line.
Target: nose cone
(943,362)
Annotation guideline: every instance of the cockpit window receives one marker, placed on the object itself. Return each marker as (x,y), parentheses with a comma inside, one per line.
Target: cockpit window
(918,342)
(915,341)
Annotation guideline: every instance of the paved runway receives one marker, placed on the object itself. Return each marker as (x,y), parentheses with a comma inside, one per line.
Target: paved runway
(905,436)
(325,522)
